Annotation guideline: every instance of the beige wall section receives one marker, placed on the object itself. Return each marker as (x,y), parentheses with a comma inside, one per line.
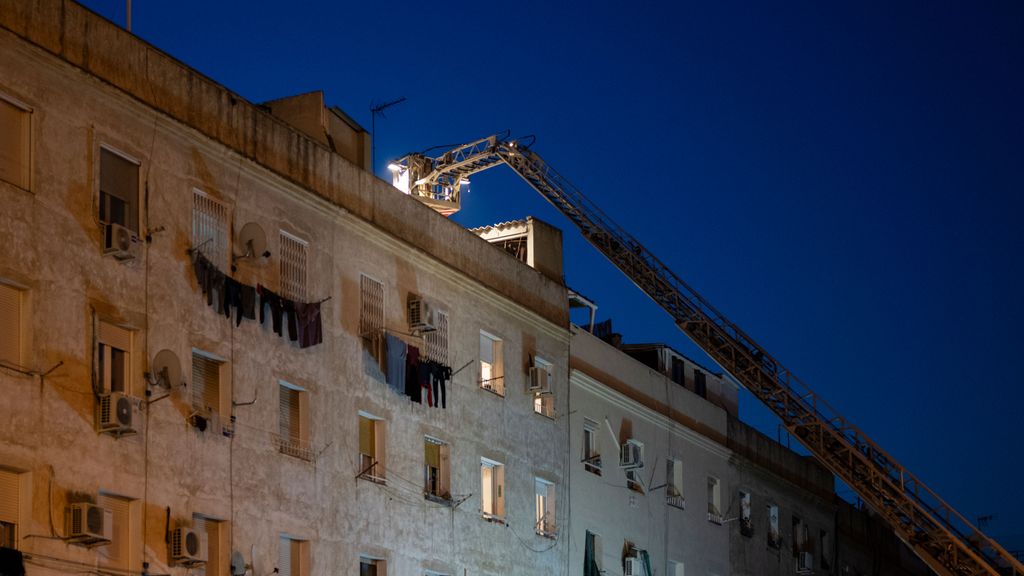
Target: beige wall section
(101,49)
(53,248)
(330,127)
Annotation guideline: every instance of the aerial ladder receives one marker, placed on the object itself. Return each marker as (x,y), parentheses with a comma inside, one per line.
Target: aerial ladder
(946,541)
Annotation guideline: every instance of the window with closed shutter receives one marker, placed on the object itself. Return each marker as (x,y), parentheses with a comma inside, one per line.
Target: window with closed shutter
(114,358)
(206,382)
(119,190)
(371,306)
(10,500)
(117,553)
(294,256)
(10,325)
(217,560)
(292,557)
(15,143)
(210,228)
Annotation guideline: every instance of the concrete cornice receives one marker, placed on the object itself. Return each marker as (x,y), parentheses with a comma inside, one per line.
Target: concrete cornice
(603,392)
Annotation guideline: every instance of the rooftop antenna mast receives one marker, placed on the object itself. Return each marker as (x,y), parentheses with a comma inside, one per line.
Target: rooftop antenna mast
(375,110)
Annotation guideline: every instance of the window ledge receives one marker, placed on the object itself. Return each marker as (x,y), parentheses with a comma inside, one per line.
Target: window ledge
(676,502)
(552,535)
(493,390)
(374,479)
(495,519)
(715,518)
(595,470)
(548,416)
(438,499)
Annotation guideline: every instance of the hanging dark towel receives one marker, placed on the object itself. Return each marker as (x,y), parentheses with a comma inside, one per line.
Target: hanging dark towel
(11,562)
(293,319)
(268,298)
(232,298)
(200,266)
(397,350)
(215,292)
(423,375)
(248,301)
(412,381)
(446,376)
(310,323)
(435,382)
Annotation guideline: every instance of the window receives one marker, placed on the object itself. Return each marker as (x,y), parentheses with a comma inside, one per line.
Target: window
(294,256)
(292,556)
(372,566)
(118,554)
(700,383)
(802,544)
(371,307)
(218,551)
(674,482)
(436,469)
(591,451)
(113,357)
(714,500)
(10,504)
(210,226)
(15,143)
(774,534)
(119,190)
(544,496)
(592,555)
(371,447)
(10,325)
(293,421)
(633,480)
(544,402)
(745,522)
(437,341)
(210,384)
(826,550)
(492,489)
(676,568)
(491,364)
(678,371)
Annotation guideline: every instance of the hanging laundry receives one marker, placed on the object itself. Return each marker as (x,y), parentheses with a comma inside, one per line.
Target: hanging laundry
(397,350)
(412,381)
(293,320)
(276,303)
(248,301)
(310,324)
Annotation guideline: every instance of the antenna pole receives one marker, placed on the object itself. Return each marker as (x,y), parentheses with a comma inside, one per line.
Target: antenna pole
(128,17)
(376,109)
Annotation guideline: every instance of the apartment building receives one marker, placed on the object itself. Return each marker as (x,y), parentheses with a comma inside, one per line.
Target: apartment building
(227,348)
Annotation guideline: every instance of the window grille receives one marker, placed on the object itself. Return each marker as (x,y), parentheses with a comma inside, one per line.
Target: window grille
(294,257)
(437,341)
(205,382)
(371,307)
(210,226)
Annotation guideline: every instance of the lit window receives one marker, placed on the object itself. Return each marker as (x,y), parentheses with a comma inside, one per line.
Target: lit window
(491,365)
(372,566)
(10,325)
(218,550)
(714,500)
(774,534)
(436,457)
(113,358)
(492,489)
(437,341)
(544,401)
(15,143)
(371,306)
(544,496)
(294,256)
(674,482)
(119,190)
(591,450)
(675,568)
(210,384)
(746,521)
(118,554)
(371,448)
(293,556)
(10,502)
(592,555)
(293,421)
(210,226)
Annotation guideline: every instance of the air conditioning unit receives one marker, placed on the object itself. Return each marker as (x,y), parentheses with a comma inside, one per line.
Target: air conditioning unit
(421,316)
(88,524)
(631,455)
(188,547)
(540,380)
(120,242)
(633,567)
(114,412)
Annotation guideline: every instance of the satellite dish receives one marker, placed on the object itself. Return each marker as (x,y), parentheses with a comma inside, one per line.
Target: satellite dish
(166,369)
(237,564)
(253,241)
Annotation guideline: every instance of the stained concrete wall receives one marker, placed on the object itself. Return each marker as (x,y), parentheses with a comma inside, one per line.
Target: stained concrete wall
(90,84)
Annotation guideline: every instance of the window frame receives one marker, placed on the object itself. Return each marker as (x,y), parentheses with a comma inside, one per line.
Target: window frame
(377,472)
(13,326)
(442,492)
(545,519)
(380,565)
(296,440)
(591,447)
(218,544)
(134,209)
(27,141)
(109,336)
(774,533)
(124,510)
(714,496)
(494,370)
(293,284)
(372,321)
(223,407)
(675,495)
(437,342)
(205,206)
(544,403)
(298,552)
(495,493)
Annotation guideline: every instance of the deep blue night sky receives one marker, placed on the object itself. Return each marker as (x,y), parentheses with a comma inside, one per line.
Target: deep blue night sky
(844,181)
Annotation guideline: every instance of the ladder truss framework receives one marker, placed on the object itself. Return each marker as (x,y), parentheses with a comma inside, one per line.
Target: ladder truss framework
(940,536)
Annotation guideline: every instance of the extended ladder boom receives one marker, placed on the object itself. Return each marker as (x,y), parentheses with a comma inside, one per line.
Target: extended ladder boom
(940,536)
